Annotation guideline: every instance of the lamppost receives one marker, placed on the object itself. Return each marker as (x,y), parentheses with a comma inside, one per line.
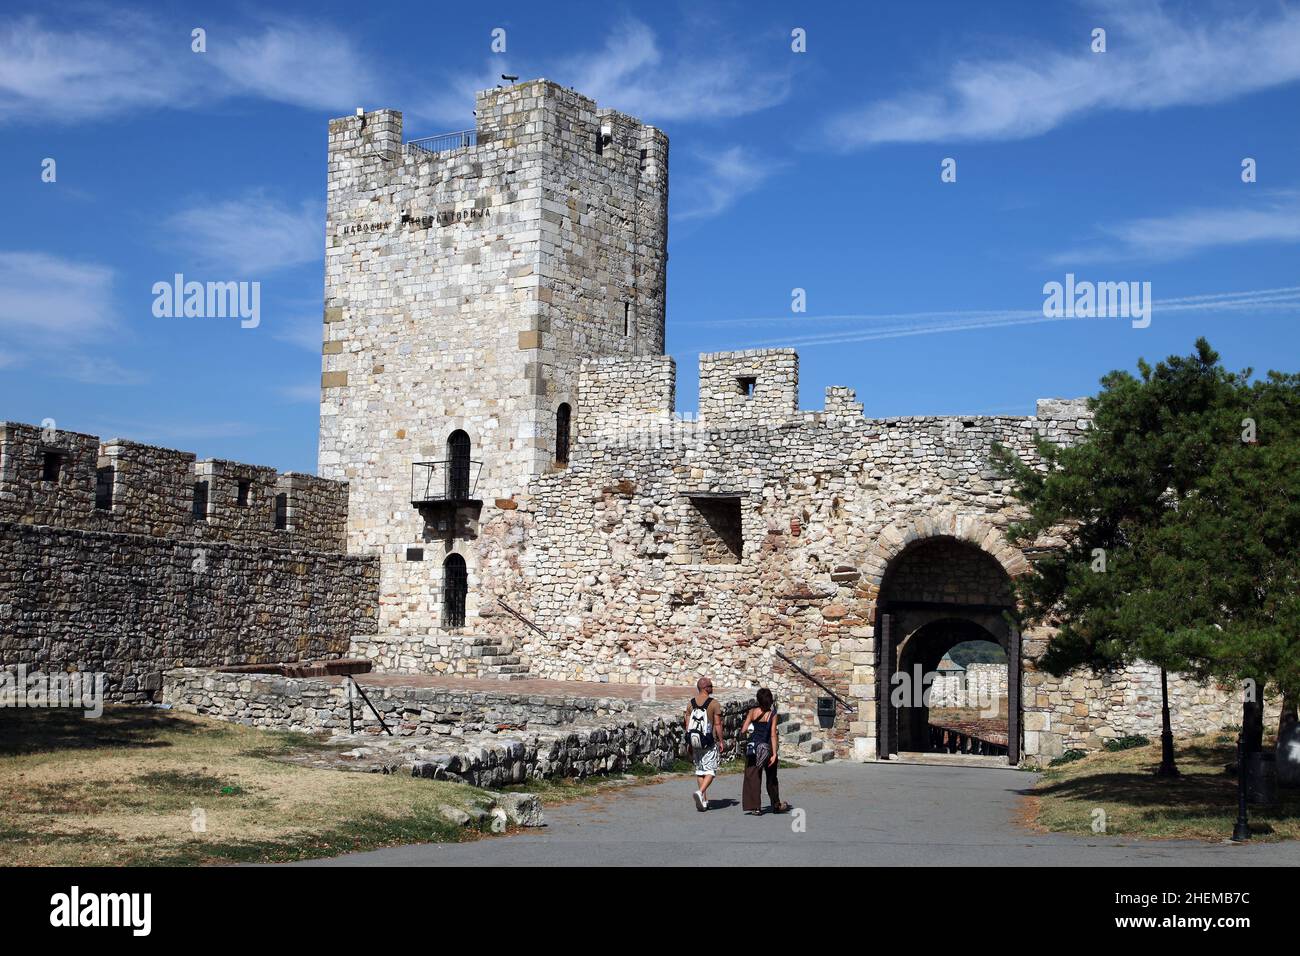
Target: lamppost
(1241,831)
(1167,766)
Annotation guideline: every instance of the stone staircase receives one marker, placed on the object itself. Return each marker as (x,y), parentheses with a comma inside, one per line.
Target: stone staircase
(798,742)
(491,657)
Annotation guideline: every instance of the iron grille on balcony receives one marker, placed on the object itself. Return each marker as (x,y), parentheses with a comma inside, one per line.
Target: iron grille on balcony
(445,142)
(444,481)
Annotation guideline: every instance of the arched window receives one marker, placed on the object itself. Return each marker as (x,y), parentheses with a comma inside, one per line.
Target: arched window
(562,434)
(458,466)
(455,585)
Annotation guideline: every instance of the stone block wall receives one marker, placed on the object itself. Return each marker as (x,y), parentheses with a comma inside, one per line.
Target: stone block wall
(487,739)
(104,567)
(126,487)
(757,384)
(47,476)
(464,286)
(151,489)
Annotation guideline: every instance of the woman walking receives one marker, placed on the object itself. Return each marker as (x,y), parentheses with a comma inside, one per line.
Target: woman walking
(760,755)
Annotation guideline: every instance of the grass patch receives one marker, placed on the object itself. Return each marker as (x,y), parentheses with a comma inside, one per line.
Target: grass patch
(137,787)
(1199,805)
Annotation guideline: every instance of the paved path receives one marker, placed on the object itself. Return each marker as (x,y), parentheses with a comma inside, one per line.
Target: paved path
(873,814)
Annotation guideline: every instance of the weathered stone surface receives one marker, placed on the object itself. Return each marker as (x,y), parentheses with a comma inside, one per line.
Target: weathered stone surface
(522,809)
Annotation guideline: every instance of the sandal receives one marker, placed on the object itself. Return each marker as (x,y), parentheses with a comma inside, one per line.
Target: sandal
(753,813)
(782,808)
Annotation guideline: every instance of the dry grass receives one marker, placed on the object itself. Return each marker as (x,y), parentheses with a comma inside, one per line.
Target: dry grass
(1199,805)
(124,790)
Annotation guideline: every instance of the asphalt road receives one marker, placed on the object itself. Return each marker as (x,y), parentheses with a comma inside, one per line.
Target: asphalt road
(853,814)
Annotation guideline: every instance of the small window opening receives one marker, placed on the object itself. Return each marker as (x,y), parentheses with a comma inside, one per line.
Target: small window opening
(627,318)
(455,587)
(242,495)
(51,465)
(282,511)
(747,385)
(200,501)
(104,488)
(415,554)
(719,537)
(562,416)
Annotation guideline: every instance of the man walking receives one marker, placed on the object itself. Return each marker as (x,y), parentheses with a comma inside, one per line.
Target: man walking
(704,737)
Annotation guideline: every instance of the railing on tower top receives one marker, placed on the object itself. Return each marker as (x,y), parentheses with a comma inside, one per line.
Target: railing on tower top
(446,141)
(452,480)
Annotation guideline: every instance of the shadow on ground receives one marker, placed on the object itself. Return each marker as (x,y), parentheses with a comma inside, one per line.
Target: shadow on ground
(47,731)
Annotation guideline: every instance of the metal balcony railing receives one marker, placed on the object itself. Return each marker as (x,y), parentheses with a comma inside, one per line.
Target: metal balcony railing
(446,141)
(450,481)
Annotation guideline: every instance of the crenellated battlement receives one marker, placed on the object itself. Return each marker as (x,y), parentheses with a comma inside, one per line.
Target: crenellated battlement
(70,480)
(759,389)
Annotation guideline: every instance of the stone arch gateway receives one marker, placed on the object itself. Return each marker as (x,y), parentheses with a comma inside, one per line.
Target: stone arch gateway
(936,592)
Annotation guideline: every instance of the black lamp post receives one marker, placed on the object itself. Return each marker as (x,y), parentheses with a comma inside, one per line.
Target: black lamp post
(1167,766)
(1241,830)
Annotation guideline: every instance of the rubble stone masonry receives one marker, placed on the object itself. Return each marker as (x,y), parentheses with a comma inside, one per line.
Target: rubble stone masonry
(108,564)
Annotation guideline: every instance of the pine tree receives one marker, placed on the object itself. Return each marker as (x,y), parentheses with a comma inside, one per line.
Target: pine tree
(1178,517)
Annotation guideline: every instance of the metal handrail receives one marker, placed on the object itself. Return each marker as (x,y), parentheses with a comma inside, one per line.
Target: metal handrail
(445,142)
(427,484)
(373,709)
(840,700)
(521,617)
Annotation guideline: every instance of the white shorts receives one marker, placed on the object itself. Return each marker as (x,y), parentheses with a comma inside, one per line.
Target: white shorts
(706,762)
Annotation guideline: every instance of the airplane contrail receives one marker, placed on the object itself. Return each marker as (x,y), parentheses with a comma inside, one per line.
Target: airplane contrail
(1285,298)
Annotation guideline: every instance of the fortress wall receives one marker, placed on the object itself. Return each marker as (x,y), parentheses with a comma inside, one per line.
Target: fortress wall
(104,565)
(617,396)
(134,606)
(126,487)
(754,385)
(605,559)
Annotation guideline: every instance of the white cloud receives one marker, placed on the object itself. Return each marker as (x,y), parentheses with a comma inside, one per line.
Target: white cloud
(1275,217)
(728,174)
(1153,62)
(250,235)
(49,301)
(136,63)
(632,74)
(293,62)
(50,309)
(75,74)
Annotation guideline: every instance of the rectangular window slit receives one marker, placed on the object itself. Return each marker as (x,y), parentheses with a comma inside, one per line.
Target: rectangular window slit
(51,465)
(200,501)
(104,488)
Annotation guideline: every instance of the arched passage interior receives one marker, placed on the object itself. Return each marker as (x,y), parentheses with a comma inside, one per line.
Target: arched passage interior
(938,593)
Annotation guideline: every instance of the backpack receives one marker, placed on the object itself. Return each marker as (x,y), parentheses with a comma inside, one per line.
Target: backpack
(699,729)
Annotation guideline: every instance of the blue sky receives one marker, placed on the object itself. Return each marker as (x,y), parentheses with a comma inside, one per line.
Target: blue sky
(817,170)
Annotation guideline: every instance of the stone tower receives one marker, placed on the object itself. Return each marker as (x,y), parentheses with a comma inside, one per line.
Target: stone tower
(466,277)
